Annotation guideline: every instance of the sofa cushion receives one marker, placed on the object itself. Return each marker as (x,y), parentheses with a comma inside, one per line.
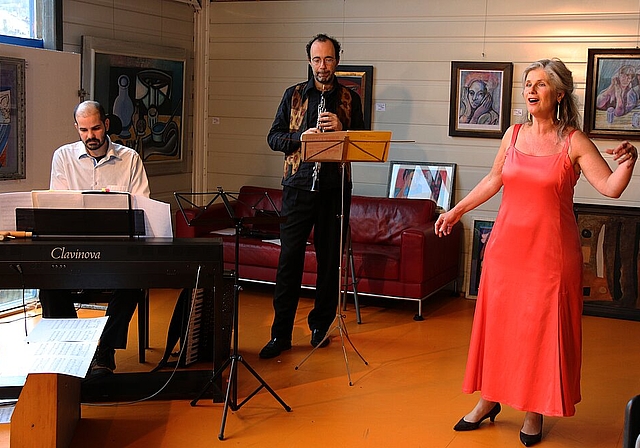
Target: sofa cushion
(379,262)
(263,253)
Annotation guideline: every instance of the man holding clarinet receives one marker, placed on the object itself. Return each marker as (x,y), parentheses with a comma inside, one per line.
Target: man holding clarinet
(311,194)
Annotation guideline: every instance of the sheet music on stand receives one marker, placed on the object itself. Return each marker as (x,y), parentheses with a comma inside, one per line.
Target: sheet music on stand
(90,199)
(157,222)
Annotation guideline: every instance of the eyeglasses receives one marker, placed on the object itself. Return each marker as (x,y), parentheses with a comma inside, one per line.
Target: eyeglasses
(327,61)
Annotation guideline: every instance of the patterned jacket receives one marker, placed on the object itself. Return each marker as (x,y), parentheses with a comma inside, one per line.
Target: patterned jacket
(298,111)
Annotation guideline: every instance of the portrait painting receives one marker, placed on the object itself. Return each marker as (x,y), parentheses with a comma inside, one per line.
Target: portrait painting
(612,96)
(480,99)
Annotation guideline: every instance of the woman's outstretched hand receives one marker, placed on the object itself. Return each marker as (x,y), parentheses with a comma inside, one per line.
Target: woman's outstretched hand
(624,152)
(445,223)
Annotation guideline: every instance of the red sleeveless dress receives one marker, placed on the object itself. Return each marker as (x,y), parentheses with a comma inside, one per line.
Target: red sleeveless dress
(526,341)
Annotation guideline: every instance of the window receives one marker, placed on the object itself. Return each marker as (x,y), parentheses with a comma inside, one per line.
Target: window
(12,299)
(32,23)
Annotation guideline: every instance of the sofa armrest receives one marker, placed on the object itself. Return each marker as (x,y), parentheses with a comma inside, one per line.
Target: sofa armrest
(201,224)
(413,250)
(424,255)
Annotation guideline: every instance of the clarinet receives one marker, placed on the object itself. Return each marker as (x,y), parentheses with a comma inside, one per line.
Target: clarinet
(322,107)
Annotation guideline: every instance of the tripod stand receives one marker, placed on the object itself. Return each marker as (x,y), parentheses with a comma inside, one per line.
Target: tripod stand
(231,395)
(344,146)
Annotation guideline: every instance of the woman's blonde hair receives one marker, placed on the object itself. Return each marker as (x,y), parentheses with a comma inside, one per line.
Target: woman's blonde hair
(561,79)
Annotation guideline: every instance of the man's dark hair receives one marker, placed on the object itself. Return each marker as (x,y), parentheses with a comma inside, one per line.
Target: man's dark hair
(324,38)
(90,104)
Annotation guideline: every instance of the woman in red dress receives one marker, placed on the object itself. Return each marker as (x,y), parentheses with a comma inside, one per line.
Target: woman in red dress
(525,348)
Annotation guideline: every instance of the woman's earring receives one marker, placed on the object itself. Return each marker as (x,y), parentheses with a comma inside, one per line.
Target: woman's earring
(558,111)
(529,117)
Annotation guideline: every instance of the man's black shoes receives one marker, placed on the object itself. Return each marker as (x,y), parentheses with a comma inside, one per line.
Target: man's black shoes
(317,337)
(104,362)
(274,347)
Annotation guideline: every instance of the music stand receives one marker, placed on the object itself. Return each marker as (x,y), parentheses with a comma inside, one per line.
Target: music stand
(344,147)
(231,395)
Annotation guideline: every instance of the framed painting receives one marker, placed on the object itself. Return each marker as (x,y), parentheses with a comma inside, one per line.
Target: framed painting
(423,180)
(480,99)
(612,94)
(481,233)
(358,78)
(12,118)
(610,242)
(142,88)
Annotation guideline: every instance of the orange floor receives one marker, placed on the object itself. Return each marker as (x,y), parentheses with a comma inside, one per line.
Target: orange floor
(408,395)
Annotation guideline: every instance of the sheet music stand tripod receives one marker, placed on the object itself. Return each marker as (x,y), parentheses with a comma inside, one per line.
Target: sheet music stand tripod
(344,147)
(231,395)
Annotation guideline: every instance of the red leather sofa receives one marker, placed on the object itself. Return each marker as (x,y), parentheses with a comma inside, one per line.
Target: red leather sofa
(395,249)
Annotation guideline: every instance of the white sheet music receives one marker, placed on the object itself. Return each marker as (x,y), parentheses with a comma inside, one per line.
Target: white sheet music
(67,330)
(157,217)
(229,231)
(56,199)
(8,204)
(72,199)
(54,346)
(157,214)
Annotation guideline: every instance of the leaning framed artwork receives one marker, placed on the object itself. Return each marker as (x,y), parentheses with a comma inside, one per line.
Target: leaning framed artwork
(142,88)
(358,78)
(481,232)
(423,180)
(480,99)
(610,242)
(612,94)
(12,118)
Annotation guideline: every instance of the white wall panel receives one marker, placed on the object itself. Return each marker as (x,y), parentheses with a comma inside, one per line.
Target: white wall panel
(257,50)
(48,110)
(157,22)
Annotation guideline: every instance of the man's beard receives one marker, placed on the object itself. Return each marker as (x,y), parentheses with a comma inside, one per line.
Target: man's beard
(324,79)
(93,144)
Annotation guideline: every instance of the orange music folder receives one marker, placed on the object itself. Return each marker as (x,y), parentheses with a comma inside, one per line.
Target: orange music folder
(346,146)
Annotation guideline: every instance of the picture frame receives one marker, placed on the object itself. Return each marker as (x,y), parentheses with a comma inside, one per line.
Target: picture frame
(482,228)
(12,118)
(142,88)
(358,78)
(603,116)
(610,243)
(423,180)
(480,99)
